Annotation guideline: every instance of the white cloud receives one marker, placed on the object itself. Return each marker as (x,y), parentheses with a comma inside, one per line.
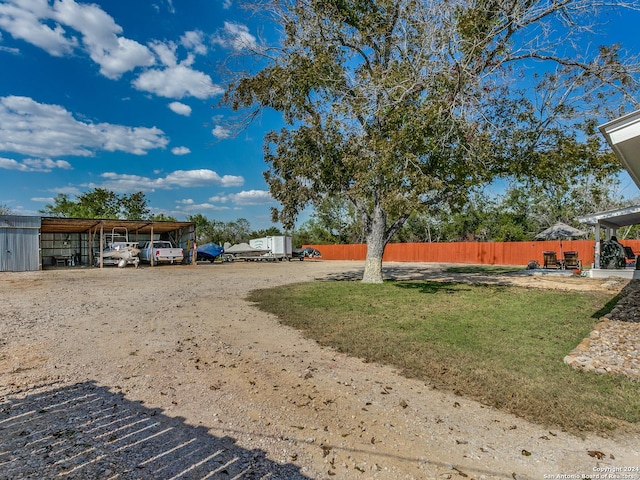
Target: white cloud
(45,130)
(66,190)
(99,34)
(177,82)
(65,26)
(221,133)
(42,199)
(11,164)
(251,197)
(166,52)
(100,37)
(242,39)
(202,178)
(226,4)
(180,108)
(188,205)
(124,57)
(194,40)
(178,79)
(121,183)
(237,37)
(46,164)
(198,207)
(124,183)
(25,21)
(218,199)
(14,51)
(180,151)
(136,140)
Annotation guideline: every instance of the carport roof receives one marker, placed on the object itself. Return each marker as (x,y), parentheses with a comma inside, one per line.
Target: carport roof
(613,218)
(79,225)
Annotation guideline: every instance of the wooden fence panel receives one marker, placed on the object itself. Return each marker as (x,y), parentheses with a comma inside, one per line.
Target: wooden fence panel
(489,253)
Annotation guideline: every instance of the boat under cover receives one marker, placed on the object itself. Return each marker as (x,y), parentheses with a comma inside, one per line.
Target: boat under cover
(209,251)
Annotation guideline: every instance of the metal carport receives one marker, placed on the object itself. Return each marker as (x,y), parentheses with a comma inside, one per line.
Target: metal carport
(181,233)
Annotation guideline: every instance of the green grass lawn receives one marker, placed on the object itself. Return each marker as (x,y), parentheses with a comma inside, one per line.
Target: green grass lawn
(500,345)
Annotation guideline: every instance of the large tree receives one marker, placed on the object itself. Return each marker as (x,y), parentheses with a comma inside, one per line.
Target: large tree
(134,206)
(99,203)
(333,221)
(405,105)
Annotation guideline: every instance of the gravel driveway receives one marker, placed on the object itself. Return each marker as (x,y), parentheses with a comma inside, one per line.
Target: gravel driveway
(167,372)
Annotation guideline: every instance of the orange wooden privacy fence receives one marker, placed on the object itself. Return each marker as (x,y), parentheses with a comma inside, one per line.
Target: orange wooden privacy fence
(491,253)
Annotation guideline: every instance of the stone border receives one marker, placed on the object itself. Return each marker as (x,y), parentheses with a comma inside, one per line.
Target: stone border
(613,346)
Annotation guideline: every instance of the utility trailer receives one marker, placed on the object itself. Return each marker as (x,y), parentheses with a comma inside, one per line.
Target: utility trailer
(261,249)
(279,247)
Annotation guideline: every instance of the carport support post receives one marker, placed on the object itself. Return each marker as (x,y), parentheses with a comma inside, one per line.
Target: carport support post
(194,246)
(101,244)
(596,258)
(151,248)
(90,246)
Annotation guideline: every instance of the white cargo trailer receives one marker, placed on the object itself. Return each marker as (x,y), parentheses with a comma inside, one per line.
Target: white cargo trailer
(279,246)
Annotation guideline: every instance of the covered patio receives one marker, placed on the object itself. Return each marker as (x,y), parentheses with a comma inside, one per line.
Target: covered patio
(606,226)
(623,135)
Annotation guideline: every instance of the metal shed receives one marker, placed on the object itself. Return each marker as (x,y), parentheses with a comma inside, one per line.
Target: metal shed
(19,243)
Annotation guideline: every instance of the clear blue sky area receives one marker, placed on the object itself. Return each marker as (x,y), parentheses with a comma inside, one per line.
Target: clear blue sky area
(122,95)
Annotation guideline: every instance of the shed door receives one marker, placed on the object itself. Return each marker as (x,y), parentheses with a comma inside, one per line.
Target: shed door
(4,250)
(7,253)
(19,250)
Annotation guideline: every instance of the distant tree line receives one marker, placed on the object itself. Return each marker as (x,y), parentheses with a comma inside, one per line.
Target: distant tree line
(101,203)
(517,214)
(4,210)
(233,232)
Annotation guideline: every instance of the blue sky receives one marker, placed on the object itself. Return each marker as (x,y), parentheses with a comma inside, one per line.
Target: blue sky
(122,95)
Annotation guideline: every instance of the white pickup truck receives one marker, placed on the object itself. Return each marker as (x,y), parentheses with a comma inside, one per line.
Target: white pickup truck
(160,252)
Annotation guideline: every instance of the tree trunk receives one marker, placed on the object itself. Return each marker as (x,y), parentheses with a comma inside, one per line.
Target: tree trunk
(376,241)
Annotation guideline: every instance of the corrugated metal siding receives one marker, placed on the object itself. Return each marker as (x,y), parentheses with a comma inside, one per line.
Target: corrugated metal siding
(19,243)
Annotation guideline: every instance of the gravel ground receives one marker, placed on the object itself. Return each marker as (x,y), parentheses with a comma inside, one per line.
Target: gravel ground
(166,372)
(613,346)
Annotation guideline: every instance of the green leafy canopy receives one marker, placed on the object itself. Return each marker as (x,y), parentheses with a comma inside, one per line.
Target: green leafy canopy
(403,106)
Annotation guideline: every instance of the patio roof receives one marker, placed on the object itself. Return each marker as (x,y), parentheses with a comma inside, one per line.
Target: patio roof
(623,134)
(620,217)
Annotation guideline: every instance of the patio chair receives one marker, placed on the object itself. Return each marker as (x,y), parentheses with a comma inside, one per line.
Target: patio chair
(571,261)
(550,260)
(631,257)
